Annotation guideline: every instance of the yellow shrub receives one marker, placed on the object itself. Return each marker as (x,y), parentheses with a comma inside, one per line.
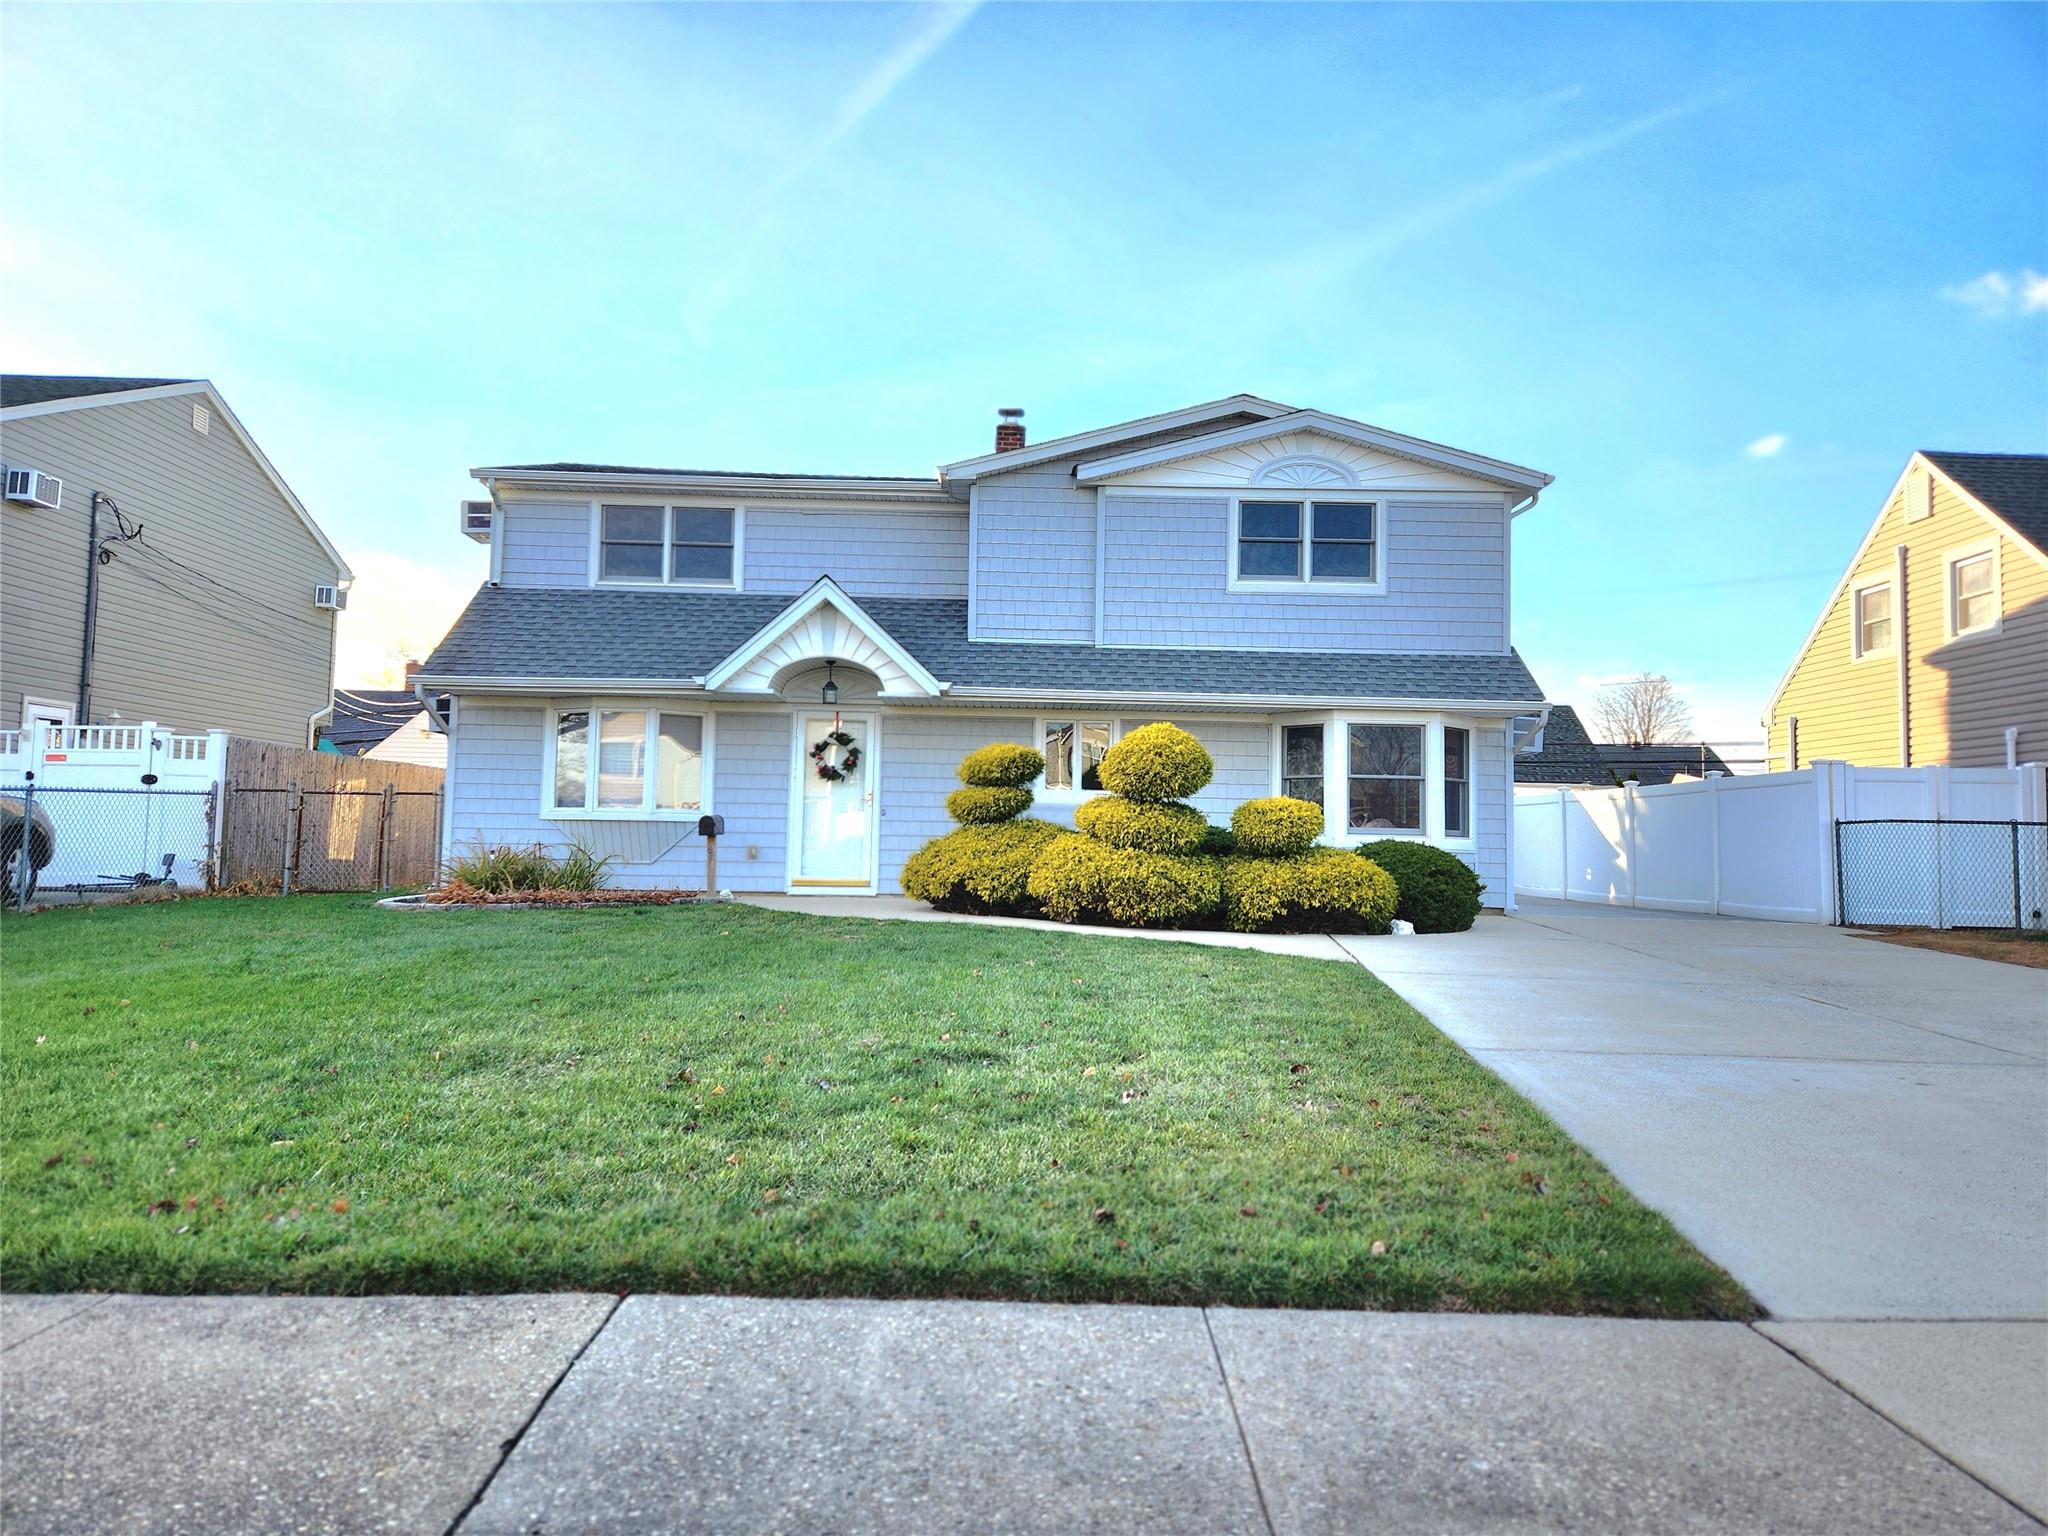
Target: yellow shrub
(979,869)
(1277,826)
(1001,765)
(1124,823)
(1157,763)
(1326,890)
(1079,880)
(985,805)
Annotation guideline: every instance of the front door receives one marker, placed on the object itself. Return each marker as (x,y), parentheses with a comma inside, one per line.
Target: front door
(835,810)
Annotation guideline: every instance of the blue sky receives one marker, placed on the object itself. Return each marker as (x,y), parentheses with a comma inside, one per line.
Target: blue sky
(1717,269)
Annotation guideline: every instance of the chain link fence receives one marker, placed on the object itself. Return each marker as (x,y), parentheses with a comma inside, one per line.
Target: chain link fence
(291,838)
(88,842)
(1941,874)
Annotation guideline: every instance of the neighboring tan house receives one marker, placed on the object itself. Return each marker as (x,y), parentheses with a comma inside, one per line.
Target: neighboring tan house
(214,594)
(1322,602)
(1934,646)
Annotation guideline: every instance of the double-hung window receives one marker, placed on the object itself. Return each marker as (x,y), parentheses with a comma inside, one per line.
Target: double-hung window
(1385,772)
(1301,763)
(1074,750)
(1973,593)
(1304,543)
(1457,781)
(687,546)
(1872,619)
(624,762)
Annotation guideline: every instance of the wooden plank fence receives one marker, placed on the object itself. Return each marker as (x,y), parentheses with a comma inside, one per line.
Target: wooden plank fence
(315,821)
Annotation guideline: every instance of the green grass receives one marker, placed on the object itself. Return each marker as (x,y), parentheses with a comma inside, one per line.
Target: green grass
(311,1094)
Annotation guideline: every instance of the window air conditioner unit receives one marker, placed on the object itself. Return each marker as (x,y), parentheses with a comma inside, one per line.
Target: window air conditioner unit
(34,488)
(476,520)
(333,598)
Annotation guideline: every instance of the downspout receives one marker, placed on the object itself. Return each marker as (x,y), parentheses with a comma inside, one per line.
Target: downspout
(1902,638)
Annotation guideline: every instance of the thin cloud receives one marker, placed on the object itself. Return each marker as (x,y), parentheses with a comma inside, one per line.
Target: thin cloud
(1337,256)
(2001,295)
(875,88)
(1767,447)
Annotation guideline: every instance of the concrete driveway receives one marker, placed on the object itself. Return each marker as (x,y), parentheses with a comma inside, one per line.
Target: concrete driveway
(1857,1131)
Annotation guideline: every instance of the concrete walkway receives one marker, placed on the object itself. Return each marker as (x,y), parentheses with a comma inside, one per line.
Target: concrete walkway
(577,1413)
(1857,1131)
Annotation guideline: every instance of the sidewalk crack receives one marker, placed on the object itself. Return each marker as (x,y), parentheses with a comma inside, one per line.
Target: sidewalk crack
(506,1449)
(1230,1397)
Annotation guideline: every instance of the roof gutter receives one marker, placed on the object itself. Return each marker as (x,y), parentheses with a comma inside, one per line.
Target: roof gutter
(927,491)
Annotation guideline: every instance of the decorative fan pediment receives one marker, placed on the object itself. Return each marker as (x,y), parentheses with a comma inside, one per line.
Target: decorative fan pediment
(1305,472)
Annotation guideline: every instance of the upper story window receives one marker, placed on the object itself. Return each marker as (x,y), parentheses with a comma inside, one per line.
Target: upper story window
(625,762)
(1282,545)
(677,546)
(1871,619)
(1074,750)
(1973,592)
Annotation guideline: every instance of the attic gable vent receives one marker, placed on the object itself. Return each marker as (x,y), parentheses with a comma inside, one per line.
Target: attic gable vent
(202,418)
(1919,496)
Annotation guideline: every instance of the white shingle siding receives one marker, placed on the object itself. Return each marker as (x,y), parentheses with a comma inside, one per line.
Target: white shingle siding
(1493,791)
(1034,551)
(920,758)
(871,553)
(546,544)
(1167,566)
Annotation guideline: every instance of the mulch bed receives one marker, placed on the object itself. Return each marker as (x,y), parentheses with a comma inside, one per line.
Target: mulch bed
(608,897)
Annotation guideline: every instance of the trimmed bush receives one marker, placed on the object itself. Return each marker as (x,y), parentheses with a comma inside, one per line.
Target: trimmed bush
(1001,765)
(1277,827)
(983,805)
(1077,879)
(1124,823)
(1157,763)
(1439,892)
(1218,843)
(979,869)
(1325,890)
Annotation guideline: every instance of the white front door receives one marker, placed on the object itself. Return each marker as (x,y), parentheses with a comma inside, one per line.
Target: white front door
(834,843)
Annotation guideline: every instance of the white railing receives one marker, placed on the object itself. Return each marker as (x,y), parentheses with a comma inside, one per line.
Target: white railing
(1760,845)
(112,756)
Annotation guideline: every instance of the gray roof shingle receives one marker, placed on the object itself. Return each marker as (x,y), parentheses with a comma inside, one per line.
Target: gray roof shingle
(365,716)
(2014,485)
(1568,755)
(568,468)
(41,388)
(580,633)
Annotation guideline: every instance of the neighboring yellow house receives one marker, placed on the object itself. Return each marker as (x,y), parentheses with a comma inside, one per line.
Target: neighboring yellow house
(1934,646)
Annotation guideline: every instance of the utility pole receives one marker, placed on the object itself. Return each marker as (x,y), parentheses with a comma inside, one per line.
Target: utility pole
(95,557)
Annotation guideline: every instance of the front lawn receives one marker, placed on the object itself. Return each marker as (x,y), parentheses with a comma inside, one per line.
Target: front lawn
(312,1094)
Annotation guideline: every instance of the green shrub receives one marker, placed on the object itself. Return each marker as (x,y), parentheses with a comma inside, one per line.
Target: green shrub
(1325,890)
(499,869)
(979,869)
(1277,827)
(1218,843)
(1001,765)
(1439,892)
(1077,879)
(1121,823)
(1157,763)
(983,805)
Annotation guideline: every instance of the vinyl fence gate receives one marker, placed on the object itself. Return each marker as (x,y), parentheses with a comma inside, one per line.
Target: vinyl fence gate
(1926,873)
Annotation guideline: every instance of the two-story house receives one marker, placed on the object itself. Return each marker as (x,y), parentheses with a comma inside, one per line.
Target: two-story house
(1933,647)
(155,566)
(1325,604)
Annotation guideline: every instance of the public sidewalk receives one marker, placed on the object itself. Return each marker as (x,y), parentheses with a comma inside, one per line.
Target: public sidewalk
(581,1413)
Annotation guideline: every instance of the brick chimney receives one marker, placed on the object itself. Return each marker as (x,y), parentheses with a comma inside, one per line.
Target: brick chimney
(412,672)
(1009,429)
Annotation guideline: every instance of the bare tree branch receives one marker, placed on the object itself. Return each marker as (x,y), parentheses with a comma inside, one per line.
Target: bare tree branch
(1642,711)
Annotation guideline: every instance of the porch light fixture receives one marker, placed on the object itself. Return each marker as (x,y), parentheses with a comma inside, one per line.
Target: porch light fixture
(830,692)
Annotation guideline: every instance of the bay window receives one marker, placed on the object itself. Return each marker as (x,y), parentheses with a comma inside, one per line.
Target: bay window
(1385,772)
(625,761)
(667,545)
(1301,763)
(1457,781)
(1074,750)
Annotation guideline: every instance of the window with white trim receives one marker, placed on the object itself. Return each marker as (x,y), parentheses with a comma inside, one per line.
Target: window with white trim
(1307,542)
(1457,781)
(1973,593)
(690,546)
(1301,763)
(1074,750)
(1872,618)
(1385,778)
(643,762)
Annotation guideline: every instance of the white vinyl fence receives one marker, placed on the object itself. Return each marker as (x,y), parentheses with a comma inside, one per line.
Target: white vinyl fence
(1759,845)
(121,799)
